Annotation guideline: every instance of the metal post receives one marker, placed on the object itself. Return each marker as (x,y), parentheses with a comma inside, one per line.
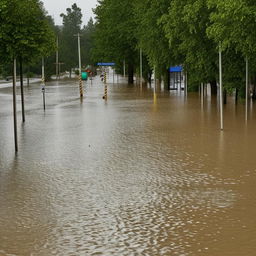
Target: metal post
(221,89)
(14,106)
(22,91)
(57,58)
(80,67)
(43,82)
(247,89)
(155,77)
(186,83)
(141,63)
(105,97)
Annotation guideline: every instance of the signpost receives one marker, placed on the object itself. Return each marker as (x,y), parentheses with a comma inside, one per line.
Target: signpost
(176,70)
(106,64)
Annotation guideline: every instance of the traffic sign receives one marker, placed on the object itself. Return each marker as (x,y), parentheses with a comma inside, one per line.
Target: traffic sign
(106,64)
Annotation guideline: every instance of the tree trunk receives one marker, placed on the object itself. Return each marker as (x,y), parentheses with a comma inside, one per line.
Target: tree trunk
(225,96)
(130,74)
(213,87)
(22,91)
(236,95)
(167,79)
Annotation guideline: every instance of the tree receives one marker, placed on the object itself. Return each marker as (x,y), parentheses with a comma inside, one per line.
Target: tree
(233,25)
(24,30)
(151,37)
(87,42)
(185,27)
(72,21)
(115,38)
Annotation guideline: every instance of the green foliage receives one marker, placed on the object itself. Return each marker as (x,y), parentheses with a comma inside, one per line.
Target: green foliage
(24,30)
(87,42)
(114,38)
(72,22)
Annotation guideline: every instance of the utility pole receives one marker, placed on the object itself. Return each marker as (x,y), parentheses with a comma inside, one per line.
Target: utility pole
(247,89)
(221,89)
(141,63)
(15,106)
(80,66)
(43,82)
(57,59)
(22,91)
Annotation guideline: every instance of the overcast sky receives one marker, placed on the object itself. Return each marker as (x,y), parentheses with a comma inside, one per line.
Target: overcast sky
(56,7)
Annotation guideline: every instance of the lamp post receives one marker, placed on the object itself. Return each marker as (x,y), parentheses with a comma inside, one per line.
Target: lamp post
(221,88)
(80,66)
(15,106)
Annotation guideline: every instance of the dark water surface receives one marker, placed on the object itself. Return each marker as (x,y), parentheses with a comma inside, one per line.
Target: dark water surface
(137,175)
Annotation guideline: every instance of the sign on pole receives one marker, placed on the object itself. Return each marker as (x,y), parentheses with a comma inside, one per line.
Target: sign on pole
(106,64)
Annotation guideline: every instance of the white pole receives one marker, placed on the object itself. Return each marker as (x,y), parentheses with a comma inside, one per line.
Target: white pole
(155,76)
(141,67)
(186,84)
(79,55)
(43,82)
(247,89)
(57,57)
(15,105)
(221,89)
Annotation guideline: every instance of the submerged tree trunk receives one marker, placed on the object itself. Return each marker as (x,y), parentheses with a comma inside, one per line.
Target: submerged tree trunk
(130,73)
(213,87)
(22,91)
(236,95)
(225,96)
(167,79)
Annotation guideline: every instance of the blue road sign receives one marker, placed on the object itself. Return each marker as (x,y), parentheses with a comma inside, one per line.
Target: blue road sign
(176,69)
(106,64)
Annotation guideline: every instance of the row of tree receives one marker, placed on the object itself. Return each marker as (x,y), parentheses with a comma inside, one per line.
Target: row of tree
(28,33)
(174,32)
(25,31)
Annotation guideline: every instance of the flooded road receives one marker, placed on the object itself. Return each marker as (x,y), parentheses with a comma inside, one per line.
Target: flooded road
(140,174)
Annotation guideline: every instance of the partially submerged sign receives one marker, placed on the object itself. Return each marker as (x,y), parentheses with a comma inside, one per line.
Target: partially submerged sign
(106,64)
(84,75)
(176,69)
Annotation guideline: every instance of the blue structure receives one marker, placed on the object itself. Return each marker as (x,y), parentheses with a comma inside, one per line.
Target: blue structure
(176,69)
(176,78)
(106,64)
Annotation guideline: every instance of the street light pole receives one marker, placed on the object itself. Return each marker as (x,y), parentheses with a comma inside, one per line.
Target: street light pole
(14,105)
(80,66)
(57,59)
(221,89)
(141,63)
(43,82)
(247,89)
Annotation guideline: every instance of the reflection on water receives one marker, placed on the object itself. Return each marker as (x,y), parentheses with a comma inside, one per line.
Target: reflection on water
(146,173)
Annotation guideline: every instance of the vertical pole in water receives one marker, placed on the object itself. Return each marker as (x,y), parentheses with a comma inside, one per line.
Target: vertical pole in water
(80,67)
(247,89)
(124,69)
(57,58)
(155,77)
(221,89)
(141,72)
(43,82)
(22,91)
(186,83)
(113,75)
(14,106)
(105,97)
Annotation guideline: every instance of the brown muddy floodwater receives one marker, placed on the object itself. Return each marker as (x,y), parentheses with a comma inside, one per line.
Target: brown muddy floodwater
(136,175)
